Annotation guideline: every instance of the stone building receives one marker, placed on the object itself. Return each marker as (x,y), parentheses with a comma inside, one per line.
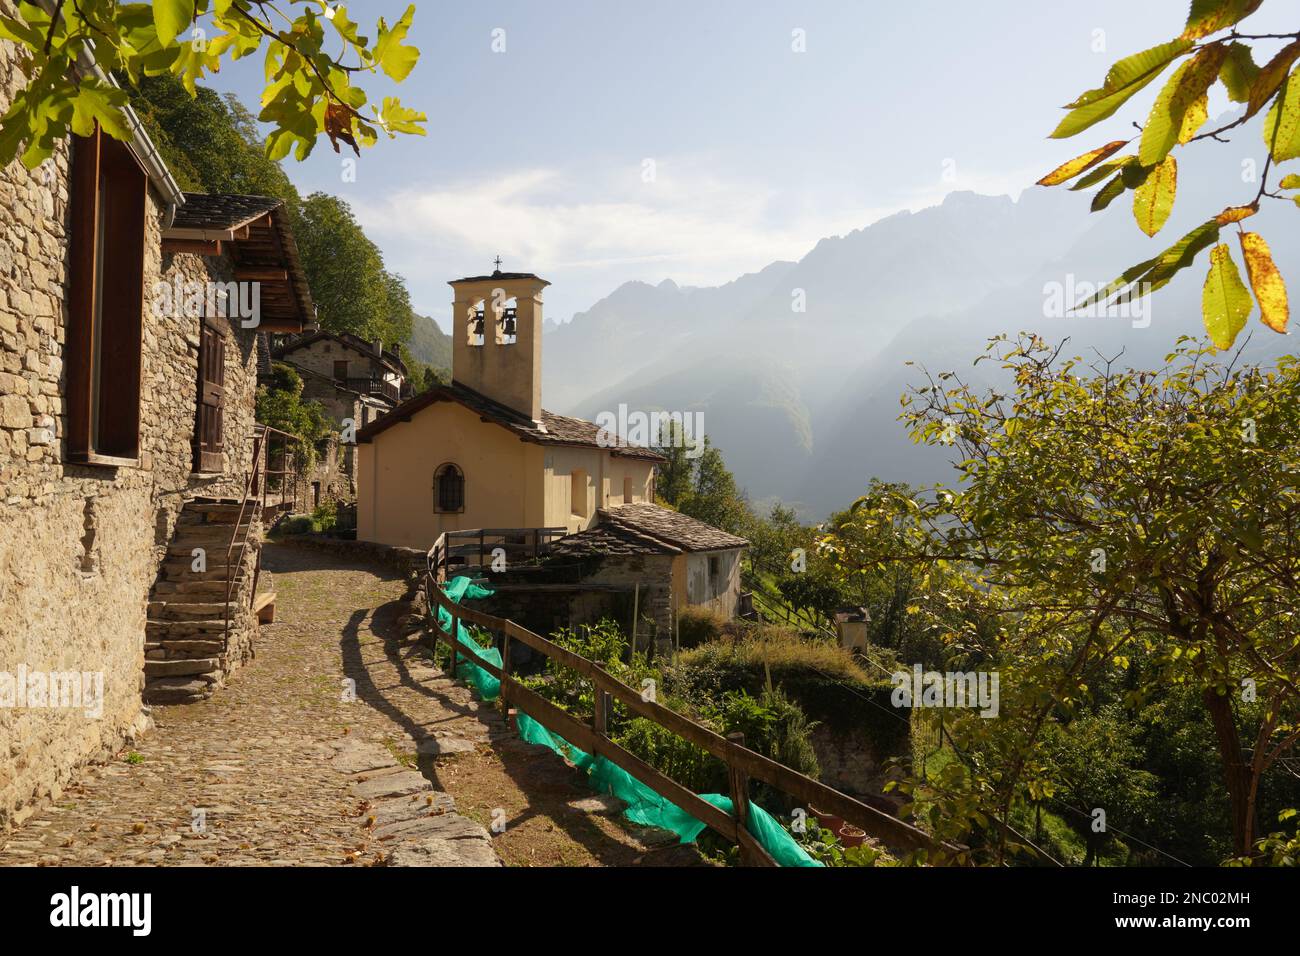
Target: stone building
(355,382)
(127,391)
(674,562)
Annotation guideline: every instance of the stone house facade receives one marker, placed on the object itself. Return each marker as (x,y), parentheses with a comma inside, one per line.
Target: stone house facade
(356,382)
(118,412)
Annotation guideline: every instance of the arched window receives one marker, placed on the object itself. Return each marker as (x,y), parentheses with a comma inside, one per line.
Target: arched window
(448,490)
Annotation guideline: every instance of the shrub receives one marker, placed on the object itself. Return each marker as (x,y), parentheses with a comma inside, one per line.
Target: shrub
(325,516)
(699,625)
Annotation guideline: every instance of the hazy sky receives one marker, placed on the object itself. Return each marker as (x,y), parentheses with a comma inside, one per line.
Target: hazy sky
(539,153)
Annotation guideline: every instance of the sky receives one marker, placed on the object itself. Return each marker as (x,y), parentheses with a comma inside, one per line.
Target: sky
(595,142)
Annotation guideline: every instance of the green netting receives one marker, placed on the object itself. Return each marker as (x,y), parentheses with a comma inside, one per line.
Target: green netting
(648,808)
(488,687)
(644,805)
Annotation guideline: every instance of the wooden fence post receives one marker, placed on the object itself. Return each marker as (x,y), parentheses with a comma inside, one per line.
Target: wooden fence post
(505,669)
(740,796)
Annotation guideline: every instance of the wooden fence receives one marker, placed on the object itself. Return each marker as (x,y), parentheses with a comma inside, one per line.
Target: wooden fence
(742,763)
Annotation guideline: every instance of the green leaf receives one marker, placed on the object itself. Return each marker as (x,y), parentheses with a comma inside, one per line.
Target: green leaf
(1211,16)
(1225,300)
(399,119)
(1130,176)
(1125,78)
(1184,90)
(1282,124)
(1155,273)
(1153,201)
(1102,171)
(1238,72)
(395,59)
(1108,193)
(171,17)
(99,102)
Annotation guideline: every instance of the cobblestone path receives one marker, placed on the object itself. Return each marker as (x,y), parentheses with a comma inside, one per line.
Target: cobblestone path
(279,769)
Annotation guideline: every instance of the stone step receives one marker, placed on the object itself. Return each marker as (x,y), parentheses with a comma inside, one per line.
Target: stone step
(187,611)
(176,690)
(192,647)
(181,568)
(183,630)
(181,667)
(225,506)
(211,532)
(192,590)
(215,548)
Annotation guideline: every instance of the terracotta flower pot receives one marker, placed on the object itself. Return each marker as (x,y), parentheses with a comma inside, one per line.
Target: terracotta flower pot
(852,836)
(827,821)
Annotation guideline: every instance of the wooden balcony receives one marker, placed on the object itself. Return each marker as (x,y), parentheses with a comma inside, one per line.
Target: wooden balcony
(373,386)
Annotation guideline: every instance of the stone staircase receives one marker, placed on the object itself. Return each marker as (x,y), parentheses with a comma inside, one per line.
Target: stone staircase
(187,652)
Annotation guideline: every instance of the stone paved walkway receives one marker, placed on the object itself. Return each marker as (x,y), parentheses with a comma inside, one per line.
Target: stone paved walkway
(286,772)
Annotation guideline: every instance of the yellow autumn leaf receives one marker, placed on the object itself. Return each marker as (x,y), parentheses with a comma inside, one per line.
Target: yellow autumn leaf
(1194,118)
(1235,214)
(1225,300)
(1080,163)
(1153,201)
(1266,280)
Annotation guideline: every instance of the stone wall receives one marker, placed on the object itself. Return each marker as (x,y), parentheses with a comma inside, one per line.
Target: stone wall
(80,546)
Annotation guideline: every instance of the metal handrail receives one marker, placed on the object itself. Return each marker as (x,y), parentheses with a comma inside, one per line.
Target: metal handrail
(254,483)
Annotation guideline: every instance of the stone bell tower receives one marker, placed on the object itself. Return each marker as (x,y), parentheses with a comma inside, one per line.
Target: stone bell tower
(496,334)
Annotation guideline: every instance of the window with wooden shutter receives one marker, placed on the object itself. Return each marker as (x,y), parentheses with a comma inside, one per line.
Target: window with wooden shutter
(109,196)
(211,398)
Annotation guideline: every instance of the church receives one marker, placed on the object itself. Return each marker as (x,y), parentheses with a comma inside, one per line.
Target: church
(482,452)
(482,457)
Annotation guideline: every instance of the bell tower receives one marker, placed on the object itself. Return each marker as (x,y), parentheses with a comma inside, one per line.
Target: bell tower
(496,333)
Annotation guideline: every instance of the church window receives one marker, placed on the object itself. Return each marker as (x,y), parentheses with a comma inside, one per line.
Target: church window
(448,490)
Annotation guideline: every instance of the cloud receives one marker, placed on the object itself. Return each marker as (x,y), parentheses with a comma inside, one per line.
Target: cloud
(592,228)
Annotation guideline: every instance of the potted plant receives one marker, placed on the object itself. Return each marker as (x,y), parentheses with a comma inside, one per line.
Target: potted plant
(852,836)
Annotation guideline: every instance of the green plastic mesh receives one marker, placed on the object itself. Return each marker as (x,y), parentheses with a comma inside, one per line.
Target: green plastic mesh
(644,806)
(488,687)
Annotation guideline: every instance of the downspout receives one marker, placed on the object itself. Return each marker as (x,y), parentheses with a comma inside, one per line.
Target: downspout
(141,144)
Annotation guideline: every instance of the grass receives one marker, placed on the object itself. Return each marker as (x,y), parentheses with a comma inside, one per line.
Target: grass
(778,650)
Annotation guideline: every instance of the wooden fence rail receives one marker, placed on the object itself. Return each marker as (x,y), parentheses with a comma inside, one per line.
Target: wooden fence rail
(742,763)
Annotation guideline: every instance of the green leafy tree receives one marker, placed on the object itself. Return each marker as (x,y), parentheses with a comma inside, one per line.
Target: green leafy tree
(1106,516)
(281,406)
(352,289)
(309,90)
(1211,49)
(209,141)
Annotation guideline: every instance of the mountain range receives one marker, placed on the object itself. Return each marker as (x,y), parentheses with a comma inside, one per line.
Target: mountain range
(798,368)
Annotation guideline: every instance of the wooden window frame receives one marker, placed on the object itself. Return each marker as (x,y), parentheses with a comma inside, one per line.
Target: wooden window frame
(438,474)
(108,216)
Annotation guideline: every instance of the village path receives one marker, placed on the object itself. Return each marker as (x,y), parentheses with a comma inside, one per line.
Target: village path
(288,772)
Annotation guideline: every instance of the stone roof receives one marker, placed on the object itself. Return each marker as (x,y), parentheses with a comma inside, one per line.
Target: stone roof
(668,526)
(503,276)
(555,430)
(603,539)
(355,342)
(221,210)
